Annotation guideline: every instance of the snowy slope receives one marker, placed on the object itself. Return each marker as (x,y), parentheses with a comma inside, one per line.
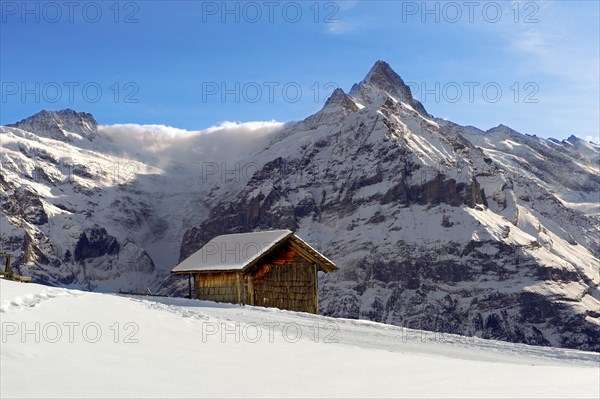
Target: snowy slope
(176,348)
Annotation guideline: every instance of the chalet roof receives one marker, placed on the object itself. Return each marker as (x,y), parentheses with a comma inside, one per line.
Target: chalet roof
(239,252)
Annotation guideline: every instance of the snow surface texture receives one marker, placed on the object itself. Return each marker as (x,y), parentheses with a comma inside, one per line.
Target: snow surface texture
(434,225)
(169,347)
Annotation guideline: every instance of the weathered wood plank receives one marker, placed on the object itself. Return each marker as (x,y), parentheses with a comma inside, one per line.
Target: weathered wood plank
(286,280)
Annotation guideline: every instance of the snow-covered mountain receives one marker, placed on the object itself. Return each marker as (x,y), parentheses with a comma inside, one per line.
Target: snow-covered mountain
(434,225)
(77,211)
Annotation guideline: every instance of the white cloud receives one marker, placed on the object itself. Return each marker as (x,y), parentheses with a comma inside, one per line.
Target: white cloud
(167,147)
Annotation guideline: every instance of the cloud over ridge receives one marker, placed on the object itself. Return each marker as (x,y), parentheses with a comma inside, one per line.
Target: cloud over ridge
(163,146)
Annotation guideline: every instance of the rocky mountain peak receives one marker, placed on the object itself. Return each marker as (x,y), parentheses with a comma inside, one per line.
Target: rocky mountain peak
(57,124)
(338,105)
(501,128)
(575,140)
(339,99)
(382,74)
(381,83)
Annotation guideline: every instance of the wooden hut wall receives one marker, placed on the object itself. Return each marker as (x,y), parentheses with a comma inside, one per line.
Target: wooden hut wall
(287,281)
(219,287)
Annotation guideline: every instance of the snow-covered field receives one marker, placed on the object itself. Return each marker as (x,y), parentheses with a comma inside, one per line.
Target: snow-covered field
(66,343)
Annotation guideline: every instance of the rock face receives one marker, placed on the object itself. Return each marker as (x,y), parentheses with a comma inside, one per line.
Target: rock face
(434,225)
(95,243)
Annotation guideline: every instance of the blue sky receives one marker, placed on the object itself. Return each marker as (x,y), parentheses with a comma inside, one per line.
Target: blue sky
(533,66)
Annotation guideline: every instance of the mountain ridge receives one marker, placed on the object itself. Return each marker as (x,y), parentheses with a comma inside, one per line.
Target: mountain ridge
(56,124)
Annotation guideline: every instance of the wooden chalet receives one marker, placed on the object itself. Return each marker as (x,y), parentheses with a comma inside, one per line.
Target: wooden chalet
(266,268)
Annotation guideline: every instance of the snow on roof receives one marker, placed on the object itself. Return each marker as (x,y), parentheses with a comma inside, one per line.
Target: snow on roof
(237,251)
(231,251)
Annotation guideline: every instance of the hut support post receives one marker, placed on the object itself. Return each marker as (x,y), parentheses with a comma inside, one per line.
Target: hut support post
(316,289)
(239,288)
(190,285)
(251,290)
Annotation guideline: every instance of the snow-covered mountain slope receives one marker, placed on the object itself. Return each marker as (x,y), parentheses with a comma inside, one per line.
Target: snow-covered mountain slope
(434,225)
(103,345)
